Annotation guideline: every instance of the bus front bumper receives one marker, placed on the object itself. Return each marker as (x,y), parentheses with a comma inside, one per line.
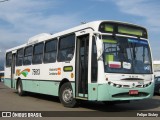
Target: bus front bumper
(105,92)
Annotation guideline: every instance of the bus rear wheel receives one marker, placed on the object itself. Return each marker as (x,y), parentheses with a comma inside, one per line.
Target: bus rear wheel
(66,95)
(20,88)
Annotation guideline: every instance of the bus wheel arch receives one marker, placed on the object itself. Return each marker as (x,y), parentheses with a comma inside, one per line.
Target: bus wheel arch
(61,83)
(66,94)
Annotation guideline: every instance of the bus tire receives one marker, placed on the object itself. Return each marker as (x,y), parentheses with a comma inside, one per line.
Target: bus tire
(20,88)
(66,95)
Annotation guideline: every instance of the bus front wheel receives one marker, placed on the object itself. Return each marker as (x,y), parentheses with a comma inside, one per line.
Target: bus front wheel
(20,88)
(66,95)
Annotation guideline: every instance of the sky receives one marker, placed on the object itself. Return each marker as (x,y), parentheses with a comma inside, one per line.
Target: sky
(22,19)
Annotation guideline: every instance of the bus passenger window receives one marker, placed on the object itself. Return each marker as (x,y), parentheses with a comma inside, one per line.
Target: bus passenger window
(19,60)
(66,48)
(27,60)
(8,59)
(38,53)
(50,51)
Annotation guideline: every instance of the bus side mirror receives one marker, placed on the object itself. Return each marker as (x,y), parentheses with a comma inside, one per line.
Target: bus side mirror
(99,44)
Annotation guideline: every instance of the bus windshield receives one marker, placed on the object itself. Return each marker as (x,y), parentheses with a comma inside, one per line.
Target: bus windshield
(126,55)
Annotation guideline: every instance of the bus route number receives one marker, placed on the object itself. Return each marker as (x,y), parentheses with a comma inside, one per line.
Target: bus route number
(35,71)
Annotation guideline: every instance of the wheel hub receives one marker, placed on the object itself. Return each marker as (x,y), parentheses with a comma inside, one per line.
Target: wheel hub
(67,95)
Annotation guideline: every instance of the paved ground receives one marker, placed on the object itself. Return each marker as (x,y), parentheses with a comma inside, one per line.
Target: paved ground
(10,101)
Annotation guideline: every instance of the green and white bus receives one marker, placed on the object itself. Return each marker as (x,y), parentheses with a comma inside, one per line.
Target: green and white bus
(104,61)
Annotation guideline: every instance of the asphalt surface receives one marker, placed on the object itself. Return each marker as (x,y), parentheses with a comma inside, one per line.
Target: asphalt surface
(11,101)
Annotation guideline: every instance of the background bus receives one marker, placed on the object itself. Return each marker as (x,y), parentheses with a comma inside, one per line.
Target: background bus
(1,75)
(156,67)
(100,61)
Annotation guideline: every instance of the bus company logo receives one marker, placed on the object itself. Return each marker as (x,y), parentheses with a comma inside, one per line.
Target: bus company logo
(55,71)
(59,71)
(24,72)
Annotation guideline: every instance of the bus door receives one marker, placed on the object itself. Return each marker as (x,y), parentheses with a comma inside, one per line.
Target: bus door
(13,70)
(82,66)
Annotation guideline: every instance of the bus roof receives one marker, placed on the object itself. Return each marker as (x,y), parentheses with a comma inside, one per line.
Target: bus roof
(1,71)
(44,36)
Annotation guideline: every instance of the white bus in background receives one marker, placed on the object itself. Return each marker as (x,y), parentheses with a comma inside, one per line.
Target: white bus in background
(98,61)
(156,67)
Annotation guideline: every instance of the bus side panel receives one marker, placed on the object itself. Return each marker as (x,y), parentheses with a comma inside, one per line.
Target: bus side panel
(30,85)
(49,87)
(7,78)
(43,87)
(93,91)
(7,82)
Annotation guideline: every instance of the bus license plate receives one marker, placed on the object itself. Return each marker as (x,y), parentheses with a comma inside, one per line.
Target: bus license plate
(133,92)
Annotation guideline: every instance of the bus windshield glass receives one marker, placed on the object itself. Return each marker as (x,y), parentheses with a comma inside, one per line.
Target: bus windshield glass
(126,55)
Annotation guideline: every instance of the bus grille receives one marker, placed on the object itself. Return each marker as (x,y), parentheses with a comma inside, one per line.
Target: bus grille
(128,86)
(124,95)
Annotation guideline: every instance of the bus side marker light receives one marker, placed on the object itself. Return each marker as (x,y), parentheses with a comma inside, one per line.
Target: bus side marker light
(72,75)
